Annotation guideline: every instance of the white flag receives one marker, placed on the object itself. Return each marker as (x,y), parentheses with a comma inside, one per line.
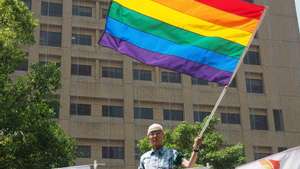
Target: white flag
(297,5)
(289,159)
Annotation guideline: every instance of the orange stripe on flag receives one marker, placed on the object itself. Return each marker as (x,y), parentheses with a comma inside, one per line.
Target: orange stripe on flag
(270,164)
(210,14)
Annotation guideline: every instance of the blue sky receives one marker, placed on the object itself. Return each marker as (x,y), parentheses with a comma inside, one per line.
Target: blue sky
(298,11)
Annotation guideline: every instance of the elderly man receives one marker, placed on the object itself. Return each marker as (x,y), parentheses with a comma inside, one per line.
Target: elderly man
(161,157)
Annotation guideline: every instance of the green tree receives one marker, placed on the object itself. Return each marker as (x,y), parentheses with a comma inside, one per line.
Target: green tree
(29,136)
(213,150)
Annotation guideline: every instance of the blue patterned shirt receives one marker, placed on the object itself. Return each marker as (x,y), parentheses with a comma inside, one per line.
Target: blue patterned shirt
(163,158)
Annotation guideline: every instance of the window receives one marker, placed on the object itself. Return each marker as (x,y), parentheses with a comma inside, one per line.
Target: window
(261,152)
(173,115)
(280,149)
(23,66)
(278,120)
(80,109)
(82,11)
(254,86)
(251,1)
(139,74)
(82,70)
(200,116)
(230,118)
(233,83)
(196,81)
(259,122)
(104,12)
(252,58)
(143,113)
(171,77)
(112,72)
(83,151)
(27,3)
(112,111)
(51,9)
(254,82)
(113,152)
(50,38)
(78,39)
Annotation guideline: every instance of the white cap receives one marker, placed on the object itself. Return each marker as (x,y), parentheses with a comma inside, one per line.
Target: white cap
(154,127)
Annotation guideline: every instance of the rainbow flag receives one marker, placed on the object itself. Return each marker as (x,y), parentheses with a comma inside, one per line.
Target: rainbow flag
(203,38)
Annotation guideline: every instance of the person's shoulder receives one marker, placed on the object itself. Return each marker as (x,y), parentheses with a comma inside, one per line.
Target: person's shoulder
(146,154)
(170,150)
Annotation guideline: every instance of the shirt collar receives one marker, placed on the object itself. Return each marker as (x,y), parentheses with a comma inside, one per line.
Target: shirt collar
(159,151)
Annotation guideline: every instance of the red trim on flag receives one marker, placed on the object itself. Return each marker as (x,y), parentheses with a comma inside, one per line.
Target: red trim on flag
(237,7)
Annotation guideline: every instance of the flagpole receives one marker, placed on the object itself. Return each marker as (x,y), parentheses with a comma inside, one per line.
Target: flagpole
(213,111)
(232,77)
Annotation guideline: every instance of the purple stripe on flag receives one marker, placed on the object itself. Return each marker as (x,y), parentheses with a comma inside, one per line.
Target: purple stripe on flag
(166,61)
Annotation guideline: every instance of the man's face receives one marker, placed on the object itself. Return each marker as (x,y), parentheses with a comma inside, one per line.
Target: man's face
(156,138)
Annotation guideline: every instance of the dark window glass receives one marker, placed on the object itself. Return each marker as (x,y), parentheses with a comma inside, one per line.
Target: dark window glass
(50,38)
(230,118)
(28,3)
(251,1)
(112,72)
(82,70)
(173,115)
(259,122)
(54,104)
(23,66)
(280,149)
(254,86)
(82,11)
(143,113)
(171,77)
(83,151)
(252,58)
(112,111)
(113,152)
(278,120)
(104,12)
(260,155)
(233,83)
(139,74)
(78,39)
(199,116)
(80,109)
(51,9)
(196,81)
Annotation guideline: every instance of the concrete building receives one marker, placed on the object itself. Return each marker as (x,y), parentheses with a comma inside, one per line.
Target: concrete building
(108,100)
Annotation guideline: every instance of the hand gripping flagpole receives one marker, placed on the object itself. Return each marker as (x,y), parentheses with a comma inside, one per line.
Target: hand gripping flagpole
(232,77)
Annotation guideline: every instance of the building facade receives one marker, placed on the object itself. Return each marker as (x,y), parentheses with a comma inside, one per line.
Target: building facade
(107,100)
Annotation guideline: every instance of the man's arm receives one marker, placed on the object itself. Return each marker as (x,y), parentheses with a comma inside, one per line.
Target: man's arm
(189,163)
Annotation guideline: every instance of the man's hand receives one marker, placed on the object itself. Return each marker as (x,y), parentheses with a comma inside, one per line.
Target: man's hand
(197,143)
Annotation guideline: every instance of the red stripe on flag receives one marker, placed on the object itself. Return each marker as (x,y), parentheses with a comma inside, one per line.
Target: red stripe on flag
(237,7)
(275,163)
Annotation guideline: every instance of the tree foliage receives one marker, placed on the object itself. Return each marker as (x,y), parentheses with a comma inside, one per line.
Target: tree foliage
(29,136)
(213,150)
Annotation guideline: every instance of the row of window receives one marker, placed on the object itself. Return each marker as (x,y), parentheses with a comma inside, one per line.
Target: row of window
(54,39)
(254,84)
(257,121)
(54,9)
(108,152)
(117,152)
